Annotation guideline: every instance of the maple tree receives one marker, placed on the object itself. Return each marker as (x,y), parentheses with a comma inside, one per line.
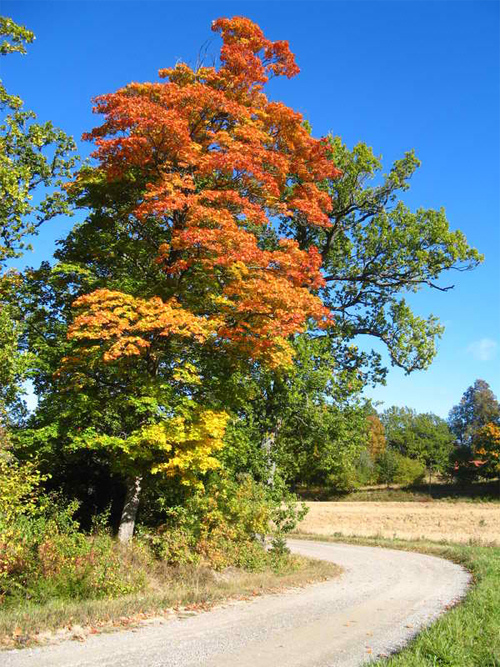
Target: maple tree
(211,164)
(218,161)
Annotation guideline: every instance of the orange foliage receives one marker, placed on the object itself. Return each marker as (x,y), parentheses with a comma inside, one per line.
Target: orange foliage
(376,436)
(220,161)
(487,445)
(128,323)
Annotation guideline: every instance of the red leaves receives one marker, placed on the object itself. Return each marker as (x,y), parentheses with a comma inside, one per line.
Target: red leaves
(243,41)
(220,161)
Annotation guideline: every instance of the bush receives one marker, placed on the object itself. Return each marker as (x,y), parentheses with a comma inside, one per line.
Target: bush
(225,525)
(394,468)
(409,471)
(43,554)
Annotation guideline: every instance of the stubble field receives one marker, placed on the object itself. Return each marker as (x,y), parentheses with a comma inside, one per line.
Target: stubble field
(454,522)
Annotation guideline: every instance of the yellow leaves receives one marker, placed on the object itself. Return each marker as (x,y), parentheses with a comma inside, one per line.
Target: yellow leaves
(486,442)
(187,374)
(152,436)
(183,445)
(238,270)
(194,440)
(19,484)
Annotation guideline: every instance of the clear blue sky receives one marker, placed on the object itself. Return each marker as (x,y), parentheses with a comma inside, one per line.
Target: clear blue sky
(396,75)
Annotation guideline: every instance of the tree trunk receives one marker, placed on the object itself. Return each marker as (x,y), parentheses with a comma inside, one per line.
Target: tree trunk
(130,507)
(268,446)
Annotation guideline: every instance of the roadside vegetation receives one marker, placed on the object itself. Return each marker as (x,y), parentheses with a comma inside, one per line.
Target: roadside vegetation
(53,574)
(165,592)
(468,634)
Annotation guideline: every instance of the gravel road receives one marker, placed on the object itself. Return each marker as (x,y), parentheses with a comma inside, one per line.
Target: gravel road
(383,598)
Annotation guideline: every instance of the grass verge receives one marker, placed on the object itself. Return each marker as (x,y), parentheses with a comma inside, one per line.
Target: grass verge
(469,634)
(181,591)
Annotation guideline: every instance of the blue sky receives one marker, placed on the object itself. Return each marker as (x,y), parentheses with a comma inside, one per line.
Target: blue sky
(396,75)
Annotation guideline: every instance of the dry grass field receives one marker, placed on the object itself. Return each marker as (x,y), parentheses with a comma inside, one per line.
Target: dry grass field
(454,522)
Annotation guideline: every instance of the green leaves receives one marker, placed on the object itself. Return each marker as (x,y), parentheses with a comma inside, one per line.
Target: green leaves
(16,37)
(423,437)
(378,251)
(33,157)
(35,161)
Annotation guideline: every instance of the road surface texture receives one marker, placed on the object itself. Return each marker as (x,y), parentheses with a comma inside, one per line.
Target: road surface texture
(382,599)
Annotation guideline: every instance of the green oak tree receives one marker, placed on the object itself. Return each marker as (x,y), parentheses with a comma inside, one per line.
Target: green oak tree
(378,250)
(36,159)
(423,437)
(311,417)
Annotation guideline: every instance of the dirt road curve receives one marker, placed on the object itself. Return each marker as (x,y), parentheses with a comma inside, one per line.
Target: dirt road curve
(383,598)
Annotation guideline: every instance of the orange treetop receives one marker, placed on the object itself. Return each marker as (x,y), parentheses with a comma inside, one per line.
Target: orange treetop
(219,161)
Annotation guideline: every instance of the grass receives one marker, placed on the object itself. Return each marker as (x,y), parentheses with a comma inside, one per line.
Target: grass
(476,492)
(180,590)
(469,634)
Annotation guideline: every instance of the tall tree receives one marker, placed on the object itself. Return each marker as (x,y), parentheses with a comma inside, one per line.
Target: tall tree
(374,251)
(34,158)
(398,422)
(215,213)
(478,407)
(197,167)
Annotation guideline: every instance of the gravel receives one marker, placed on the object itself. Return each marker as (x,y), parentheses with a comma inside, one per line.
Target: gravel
(383,598)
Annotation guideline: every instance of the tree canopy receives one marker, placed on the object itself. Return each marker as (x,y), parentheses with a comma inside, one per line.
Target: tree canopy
(424,437)
(36,159)
(478,407)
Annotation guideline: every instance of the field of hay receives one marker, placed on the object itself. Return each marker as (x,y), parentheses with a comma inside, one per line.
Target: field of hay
(453,522)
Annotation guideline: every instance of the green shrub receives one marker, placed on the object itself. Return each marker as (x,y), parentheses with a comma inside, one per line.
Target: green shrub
(225,525)
(394,468)
(409,471)
(43,553)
